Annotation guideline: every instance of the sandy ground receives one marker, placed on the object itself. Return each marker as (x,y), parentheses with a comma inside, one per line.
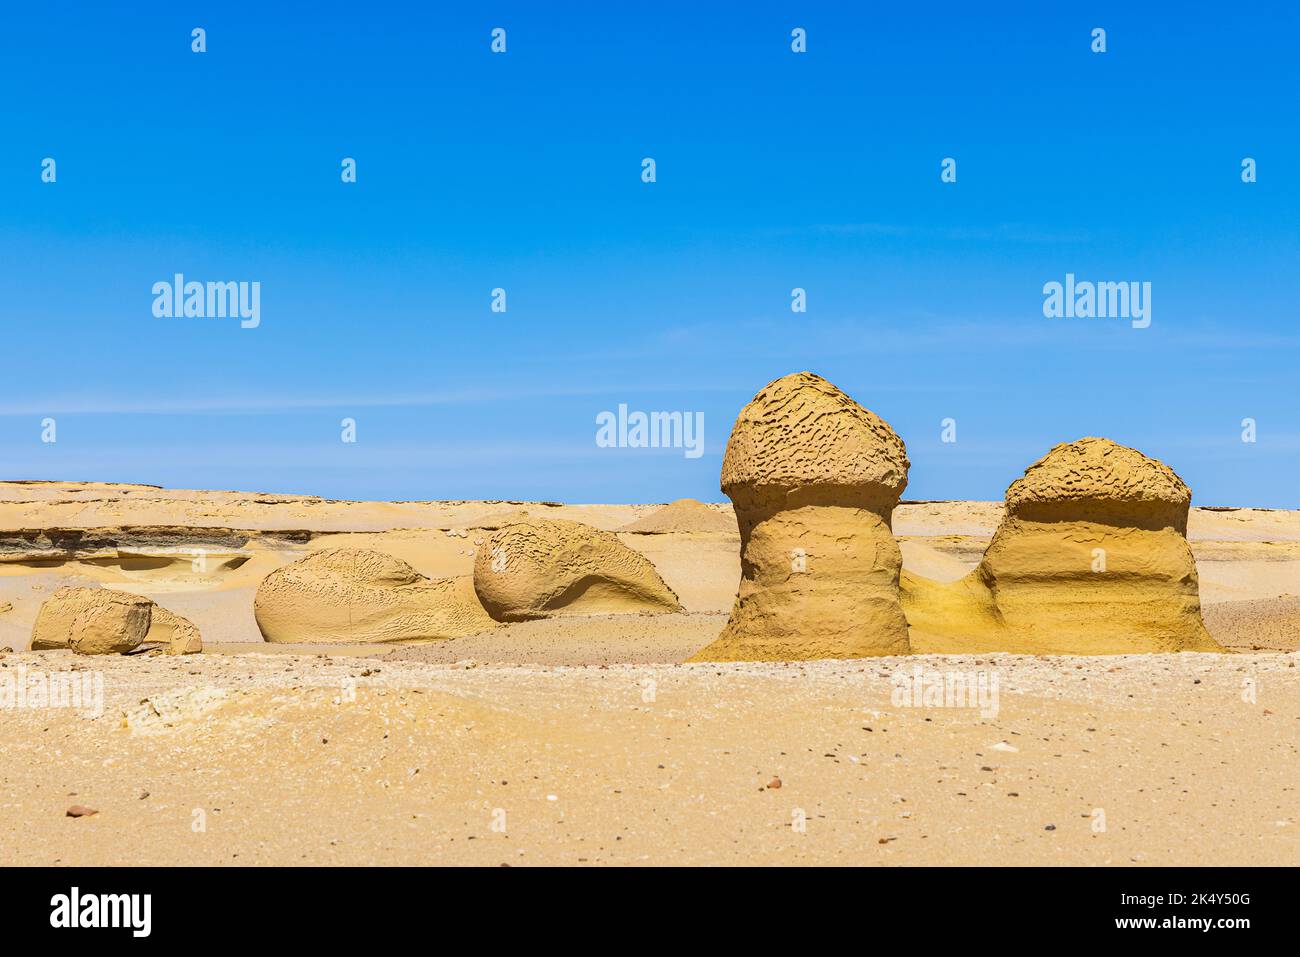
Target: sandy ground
(582,740)
(282,759)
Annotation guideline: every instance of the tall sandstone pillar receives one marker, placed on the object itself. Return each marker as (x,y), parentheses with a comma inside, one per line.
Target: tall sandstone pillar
(814,478)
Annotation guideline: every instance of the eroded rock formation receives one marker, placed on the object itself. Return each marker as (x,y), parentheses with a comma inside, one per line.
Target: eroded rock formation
(1090,558)
(359,595)
(543,568)
(173,634)
(92,621)
(814,478)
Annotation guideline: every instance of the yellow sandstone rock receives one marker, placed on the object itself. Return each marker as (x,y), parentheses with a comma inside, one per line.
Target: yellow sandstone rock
(359,595)
(544,568)
(1090,558)
(814,478)
(173,633)
(91,621)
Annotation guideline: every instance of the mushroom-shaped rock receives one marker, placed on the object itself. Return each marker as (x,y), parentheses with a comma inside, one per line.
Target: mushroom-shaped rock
(358,595)
(92,621)
(1092,557)
(814,478)
(544,568)
(173,634)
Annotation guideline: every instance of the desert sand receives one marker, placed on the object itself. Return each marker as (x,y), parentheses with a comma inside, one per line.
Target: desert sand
(585,739)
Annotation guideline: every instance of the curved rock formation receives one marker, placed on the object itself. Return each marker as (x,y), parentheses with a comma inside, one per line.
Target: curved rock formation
(358,595)
(1095,479)
(542,568)
(92,621)
(1091,558)
(814,478)
(173,633)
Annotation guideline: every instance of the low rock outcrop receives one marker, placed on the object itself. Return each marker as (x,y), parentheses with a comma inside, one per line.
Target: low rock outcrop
(544,568)
(355,595)
(173,634)
(92,621)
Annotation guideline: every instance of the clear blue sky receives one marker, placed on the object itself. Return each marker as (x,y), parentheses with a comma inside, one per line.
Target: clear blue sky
(522,171)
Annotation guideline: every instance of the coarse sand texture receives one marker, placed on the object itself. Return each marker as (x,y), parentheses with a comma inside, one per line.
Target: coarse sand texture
(814,478)
(359,595)
(543,568)
(1091,557)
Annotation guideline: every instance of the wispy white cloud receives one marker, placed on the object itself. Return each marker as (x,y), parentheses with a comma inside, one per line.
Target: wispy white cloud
(279,404)
(1001,232)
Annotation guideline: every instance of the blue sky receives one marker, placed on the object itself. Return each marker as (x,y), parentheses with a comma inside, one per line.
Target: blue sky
(522,171)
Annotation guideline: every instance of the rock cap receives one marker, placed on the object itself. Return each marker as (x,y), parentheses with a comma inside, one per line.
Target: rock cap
(1095,478)
(800,431)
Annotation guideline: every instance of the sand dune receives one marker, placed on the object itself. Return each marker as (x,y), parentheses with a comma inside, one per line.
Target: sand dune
(685,515)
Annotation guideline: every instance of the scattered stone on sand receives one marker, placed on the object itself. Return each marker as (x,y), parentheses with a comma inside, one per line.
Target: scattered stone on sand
(177,708)
(80,810)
